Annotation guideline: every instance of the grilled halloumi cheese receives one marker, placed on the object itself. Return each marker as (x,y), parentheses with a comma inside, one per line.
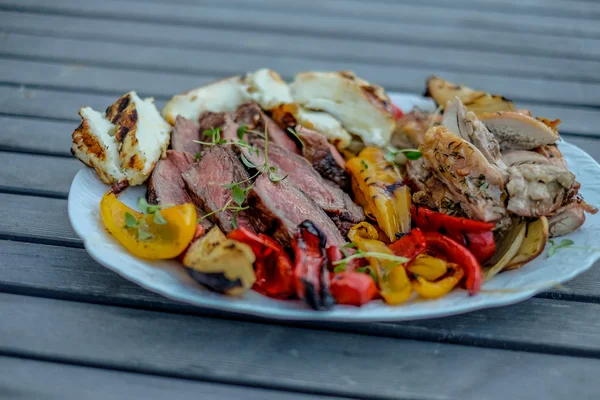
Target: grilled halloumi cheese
(125,143)
(363,109)
(95,145)
(224,95)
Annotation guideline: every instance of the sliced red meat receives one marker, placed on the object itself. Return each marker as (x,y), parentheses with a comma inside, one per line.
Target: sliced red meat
(183,135)
(218,166)
(279,207)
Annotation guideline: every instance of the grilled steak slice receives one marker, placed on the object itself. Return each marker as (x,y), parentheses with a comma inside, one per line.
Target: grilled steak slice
(166,185)
(204,180)
(324,157)
(279,207)
(254,118)
(331,198)
(183,135)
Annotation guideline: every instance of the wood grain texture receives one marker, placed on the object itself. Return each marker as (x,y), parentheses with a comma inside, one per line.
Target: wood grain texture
(428,36)
(42,175)
(36,135)
(68,273)
(387,9)
(173,57)
(286,358)
(63,102)
(42,380)
(273,20)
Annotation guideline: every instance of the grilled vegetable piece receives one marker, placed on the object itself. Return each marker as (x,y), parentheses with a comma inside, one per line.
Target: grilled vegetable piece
(273,267)
(377,186)
(310,267)
(536,236)
(353,288)
(430,268)
(433,221)
(479,102)
(508,247)
(394,284)
(518,131)
(221,264)
(223,95)
(363,109)
(410,245)
(456,253)
(481,244)
(145,235)
(436,289)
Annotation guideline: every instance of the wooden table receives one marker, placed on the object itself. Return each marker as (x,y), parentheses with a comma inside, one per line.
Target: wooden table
(71,329)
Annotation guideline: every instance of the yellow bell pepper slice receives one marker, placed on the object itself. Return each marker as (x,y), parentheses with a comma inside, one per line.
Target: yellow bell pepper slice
(434,290)
(394,284)
(160,240)
(428,267)
(378,188)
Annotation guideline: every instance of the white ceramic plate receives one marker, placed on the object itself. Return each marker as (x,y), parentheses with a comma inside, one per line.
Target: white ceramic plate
(169,279)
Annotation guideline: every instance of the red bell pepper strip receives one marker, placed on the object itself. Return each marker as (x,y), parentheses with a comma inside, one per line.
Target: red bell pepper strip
(481,244)
(273,267)
(397,112)
(410,245)
(433,221)
(456,253)
(353,288)
(310,267)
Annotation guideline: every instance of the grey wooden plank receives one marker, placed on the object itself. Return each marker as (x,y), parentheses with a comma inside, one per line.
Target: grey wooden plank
(388,9)
(286,358)
(274,20)
(36,135)
(435,37)
(61,102)
(154,56)
(79,76)
(42,175)
(561,327)
(42,380)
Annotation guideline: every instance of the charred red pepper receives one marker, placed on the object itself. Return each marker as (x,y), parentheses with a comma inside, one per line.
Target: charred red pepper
(481,244)
(353,288)
(397,112)
(310,267)
(433,221)
(444,246)
(273,267)
(410,245)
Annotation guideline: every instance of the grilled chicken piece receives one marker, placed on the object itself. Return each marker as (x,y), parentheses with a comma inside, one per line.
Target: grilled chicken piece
(536,189)
(363,109)
(566,219)
(518,131)
(465,172)
(411,128)
(552,154)
(519,157)
(465,124)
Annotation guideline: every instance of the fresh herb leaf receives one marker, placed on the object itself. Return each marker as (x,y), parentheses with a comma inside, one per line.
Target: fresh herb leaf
(296,135)
(198,156)
(364,164)
(229,185)
(159,219)
(367,270)
(143,204)
(551,251)
(339,268)
(390,156)
(411,154)
(241,131)
(566,243)
(238,194)
(275,178)
(234,220)
(246,162)
(144,235)
(212,132)
(130,221)
(350,245)
(484,186)
(380,256)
